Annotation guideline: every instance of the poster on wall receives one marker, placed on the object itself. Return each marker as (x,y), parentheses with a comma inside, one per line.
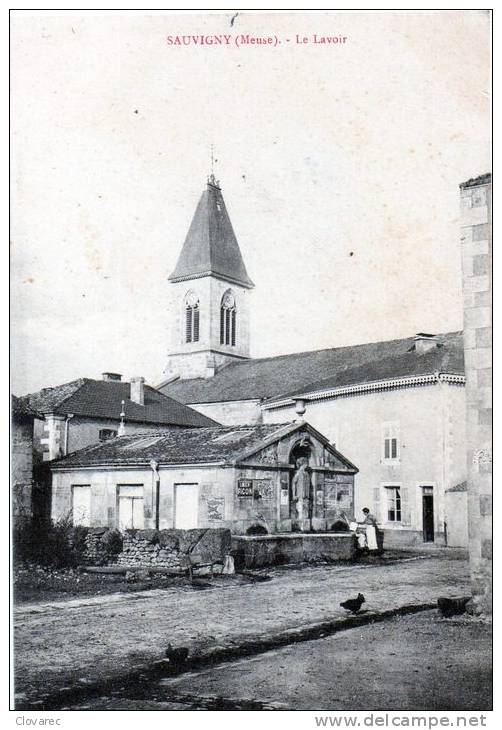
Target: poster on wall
(215,509)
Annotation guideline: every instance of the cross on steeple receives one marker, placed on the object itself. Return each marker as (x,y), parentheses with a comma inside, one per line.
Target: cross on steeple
(211,178)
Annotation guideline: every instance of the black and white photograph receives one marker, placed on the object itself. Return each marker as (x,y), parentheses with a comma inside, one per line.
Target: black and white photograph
(251,364)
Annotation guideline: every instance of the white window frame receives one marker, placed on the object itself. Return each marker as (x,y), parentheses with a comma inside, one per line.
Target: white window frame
(387,486)
(133,497)
(390,432)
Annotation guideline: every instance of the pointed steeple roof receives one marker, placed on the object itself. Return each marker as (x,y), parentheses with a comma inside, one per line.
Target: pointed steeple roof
(211,246)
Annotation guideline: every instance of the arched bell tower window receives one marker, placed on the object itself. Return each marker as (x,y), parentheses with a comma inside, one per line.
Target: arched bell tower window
(228,319)
(191,317)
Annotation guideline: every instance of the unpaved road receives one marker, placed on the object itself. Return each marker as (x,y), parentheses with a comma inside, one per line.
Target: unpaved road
(419,663)
(91,640)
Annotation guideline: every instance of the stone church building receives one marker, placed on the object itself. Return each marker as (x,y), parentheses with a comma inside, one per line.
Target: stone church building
(396,408)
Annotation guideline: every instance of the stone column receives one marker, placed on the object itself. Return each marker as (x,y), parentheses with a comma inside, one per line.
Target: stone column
(476,244)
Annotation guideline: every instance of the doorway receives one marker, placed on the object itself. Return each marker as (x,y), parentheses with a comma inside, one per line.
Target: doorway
(186,506)
(428,514)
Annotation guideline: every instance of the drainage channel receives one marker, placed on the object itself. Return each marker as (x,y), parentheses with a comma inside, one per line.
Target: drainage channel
(137,684)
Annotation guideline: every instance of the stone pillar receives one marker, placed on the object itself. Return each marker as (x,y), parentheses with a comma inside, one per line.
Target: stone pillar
(476,244)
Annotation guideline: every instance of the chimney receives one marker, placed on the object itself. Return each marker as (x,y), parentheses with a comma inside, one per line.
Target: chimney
(138,390)
(424,342)
(112,376)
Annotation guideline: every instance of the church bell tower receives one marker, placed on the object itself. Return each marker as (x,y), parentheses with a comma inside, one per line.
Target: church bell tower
(209,294)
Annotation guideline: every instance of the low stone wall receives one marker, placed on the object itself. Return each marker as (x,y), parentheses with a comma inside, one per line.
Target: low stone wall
(174,549)
(254,551)
(102,545)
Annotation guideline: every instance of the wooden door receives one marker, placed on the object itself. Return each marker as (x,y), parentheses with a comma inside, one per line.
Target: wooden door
(428,517)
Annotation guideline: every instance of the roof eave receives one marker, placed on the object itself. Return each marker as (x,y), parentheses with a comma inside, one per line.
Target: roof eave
(370,386)
(246,283)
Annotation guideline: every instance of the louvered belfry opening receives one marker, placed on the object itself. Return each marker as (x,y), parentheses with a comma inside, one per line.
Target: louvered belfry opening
(228,319)
(192,315)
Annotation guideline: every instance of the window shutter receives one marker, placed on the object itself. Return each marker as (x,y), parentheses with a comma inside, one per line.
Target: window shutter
(233,327)
(227,326)
(188,324)
(222,325)
(196,324)
(376,503)
(405,507)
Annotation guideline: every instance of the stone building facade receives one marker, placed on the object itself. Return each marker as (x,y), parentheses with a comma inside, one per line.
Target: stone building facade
(83,412)
(234,477)
(476,246)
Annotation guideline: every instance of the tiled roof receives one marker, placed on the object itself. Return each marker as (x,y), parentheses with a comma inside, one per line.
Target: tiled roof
(480,180)
(211,246)
(22,408)
(189,446)
(408,364)
(266,378)
(102,399)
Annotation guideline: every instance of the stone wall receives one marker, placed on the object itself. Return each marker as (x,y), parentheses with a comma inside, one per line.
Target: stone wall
(170,549)
(102,545)
(476,244)
(22,467)
(258,551)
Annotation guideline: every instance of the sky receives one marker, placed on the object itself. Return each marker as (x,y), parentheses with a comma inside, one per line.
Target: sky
(339,165)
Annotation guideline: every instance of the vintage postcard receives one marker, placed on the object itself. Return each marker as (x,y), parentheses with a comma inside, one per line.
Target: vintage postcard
(251,363)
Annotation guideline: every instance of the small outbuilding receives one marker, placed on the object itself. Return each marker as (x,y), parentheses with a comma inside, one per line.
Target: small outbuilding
(265,477)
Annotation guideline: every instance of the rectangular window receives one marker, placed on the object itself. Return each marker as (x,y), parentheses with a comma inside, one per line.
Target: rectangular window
(81,504)
(186,506)
(393,504)
(390,441)
(131,513)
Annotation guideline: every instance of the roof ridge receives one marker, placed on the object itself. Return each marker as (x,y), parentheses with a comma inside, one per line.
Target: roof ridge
(80,381)
(330,349)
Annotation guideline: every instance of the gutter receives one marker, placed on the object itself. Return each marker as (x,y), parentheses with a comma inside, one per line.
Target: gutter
(373,386)
(134,465)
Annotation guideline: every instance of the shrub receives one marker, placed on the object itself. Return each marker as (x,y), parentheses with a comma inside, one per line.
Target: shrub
(111,544)
(52,544)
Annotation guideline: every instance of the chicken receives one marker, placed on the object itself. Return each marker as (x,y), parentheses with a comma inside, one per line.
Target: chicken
(353,604)
(452,606)
(177,655)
